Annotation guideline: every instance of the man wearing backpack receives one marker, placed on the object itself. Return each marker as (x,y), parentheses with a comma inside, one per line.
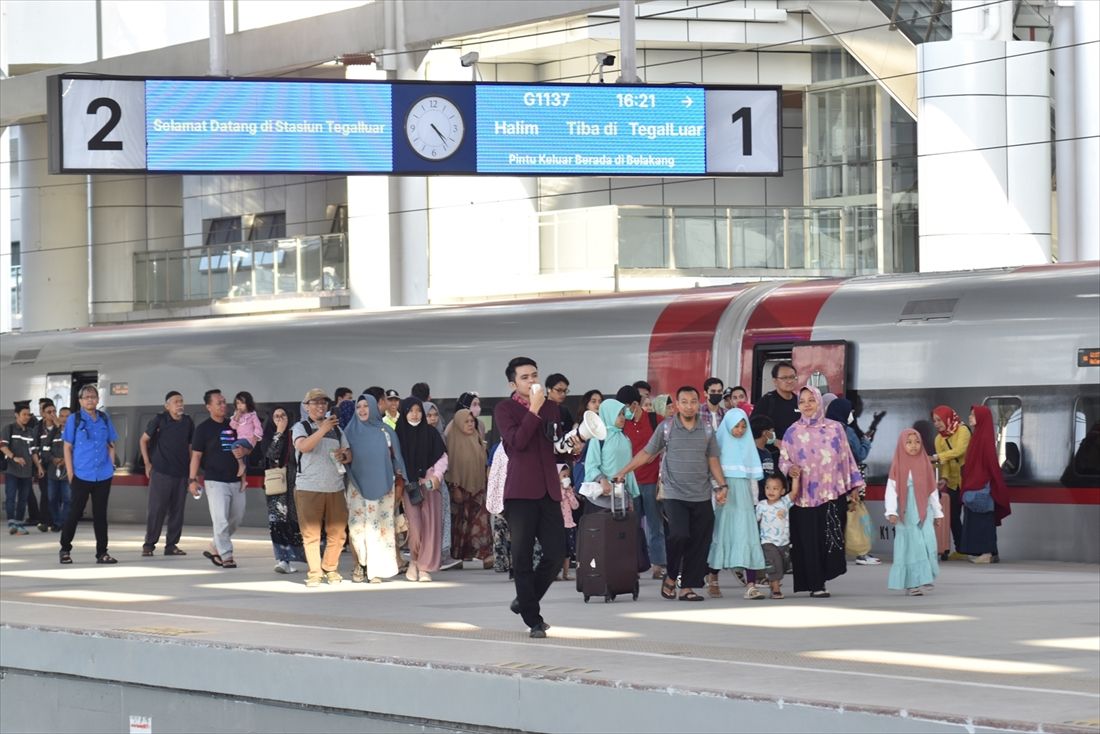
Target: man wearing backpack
(90,440)
(213,450)
(20,447)
(166,451)
(690,470)
(322,452)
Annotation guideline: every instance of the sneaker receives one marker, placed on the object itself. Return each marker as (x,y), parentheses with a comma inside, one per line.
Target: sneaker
(332,577)
(983,558)
(20,530)
(312,581)
(290,568)
(956,556)
(537,633)
(867,561)
(42,527)
(358,575)
(281,567)
(425,577)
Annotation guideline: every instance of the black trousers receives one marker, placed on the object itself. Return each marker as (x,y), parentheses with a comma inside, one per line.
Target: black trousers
(167,497)
(690,526)
(529,520)
(38,512)
(100,492)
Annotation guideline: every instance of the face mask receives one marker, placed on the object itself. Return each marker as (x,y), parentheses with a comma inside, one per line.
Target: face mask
(771,440)
(851,417)
(566,482)
(629,414)
(714,399)
(475,410)
(414,424)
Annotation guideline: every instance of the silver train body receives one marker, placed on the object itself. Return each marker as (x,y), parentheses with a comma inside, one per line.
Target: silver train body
(1024,339)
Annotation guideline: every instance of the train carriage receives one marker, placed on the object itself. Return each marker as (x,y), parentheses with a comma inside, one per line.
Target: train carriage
(1025,341)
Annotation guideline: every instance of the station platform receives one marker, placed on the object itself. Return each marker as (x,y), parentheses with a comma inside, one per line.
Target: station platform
(177,644)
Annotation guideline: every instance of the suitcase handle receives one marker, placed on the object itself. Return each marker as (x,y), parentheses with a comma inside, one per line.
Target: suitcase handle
(619,497)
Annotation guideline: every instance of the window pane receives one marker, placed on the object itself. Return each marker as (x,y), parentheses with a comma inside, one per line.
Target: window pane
(1086,437)
(1007,422)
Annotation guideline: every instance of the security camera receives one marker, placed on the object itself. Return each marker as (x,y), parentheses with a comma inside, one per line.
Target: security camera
(605,59)
(469,59)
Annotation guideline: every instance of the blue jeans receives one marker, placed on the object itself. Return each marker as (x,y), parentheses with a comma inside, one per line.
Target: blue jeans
(61,498)
(646,504)
(16,491)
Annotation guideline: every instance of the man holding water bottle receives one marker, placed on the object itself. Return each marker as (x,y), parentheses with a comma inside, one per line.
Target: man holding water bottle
(322,450)
(214,455)
(532,489)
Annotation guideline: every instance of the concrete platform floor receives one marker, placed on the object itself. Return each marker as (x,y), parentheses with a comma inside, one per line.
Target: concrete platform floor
(1014,646)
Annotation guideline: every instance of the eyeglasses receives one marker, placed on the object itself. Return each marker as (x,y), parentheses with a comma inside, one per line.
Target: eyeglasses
(787,378)
(560,390)
(319,401)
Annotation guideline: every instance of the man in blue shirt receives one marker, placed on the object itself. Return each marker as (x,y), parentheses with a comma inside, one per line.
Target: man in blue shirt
(90,440)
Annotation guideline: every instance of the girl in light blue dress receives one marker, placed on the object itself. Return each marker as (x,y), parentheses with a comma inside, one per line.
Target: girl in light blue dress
(913,508)
(735,542)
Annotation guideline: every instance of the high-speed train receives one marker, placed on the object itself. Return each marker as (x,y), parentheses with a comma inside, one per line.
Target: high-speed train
(1025,341)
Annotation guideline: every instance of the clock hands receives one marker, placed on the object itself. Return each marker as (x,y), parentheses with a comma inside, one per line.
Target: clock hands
(439,134)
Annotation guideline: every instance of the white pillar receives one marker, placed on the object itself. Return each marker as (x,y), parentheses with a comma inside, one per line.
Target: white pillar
(884,180)
(1065,150)
(1087,126)
(54,241)
(983,139)
(130,214)
(5,191)
(628,45)
(216,13)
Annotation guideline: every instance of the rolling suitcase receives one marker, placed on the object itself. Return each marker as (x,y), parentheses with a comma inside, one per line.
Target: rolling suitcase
(607,551)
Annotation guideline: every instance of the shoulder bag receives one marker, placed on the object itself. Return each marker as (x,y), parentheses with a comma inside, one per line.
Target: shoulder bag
(978,500)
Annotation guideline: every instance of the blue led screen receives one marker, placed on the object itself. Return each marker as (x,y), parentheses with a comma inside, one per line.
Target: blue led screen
(199,125)
(589,129)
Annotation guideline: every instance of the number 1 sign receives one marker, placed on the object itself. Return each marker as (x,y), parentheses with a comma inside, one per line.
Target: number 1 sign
(104,125)
(743,131)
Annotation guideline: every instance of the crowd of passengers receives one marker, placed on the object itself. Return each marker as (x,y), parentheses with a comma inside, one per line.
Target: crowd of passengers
(715,483)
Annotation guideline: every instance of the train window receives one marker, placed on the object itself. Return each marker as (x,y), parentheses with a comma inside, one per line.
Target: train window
(1086,437)
(120,420)
(1007,422)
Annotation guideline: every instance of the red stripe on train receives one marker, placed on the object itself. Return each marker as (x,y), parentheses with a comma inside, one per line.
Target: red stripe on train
(787,314)
(1027,495)
(680,348)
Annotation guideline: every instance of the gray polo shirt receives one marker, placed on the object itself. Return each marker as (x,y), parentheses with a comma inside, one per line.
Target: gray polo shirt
(319,472)
(685,469)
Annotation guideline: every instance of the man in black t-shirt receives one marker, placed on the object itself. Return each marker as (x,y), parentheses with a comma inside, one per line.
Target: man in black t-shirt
(166,450)
(213,450)
(781,404)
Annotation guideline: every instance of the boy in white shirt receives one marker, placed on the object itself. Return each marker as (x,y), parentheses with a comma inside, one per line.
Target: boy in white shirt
(773,514)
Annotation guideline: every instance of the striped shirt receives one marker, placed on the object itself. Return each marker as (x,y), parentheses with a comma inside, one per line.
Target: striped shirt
(685,469)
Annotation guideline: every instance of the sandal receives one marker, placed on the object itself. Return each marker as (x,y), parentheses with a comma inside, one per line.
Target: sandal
(668,588)
(214,558)
(777,595)
(105,559)
(712,587)
(740,576)
(820,594)
(65,557)
(753,593)
(229,564)
(690,596)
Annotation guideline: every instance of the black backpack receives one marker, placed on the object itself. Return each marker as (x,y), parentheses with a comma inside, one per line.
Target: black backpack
(309,432)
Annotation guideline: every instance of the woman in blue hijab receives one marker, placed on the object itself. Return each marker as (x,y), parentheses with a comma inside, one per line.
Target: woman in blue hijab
(606,458)
(376,458)
(736,539)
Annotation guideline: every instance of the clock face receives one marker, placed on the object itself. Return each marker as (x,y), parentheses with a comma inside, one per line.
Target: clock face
(434,128)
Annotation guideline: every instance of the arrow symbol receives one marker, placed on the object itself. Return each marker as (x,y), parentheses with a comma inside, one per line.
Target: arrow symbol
(687,102)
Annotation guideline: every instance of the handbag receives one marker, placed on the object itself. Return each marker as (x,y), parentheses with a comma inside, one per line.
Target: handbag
(275,481)
(857,538)
(978,500)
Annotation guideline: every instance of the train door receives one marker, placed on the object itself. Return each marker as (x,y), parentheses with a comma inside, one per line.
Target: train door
(826,365)
(64,387)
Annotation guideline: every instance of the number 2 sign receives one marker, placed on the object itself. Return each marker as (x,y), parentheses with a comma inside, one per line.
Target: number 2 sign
(104,125)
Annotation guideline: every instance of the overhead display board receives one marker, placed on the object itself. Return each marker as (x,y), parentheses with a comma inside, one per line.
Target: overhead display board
(174,125)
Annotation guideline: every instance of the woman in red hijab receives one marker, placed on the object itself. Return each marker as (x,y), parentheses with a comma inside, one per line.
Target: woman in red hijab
(981,475)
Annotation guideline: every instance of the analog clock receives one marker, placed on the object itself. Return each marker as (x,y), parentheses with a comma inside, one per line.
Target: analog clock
(434,127)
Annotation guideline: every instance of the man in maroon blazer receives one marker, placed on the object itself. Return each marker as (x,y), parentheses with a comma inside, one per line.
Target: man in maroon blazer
(532,489)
